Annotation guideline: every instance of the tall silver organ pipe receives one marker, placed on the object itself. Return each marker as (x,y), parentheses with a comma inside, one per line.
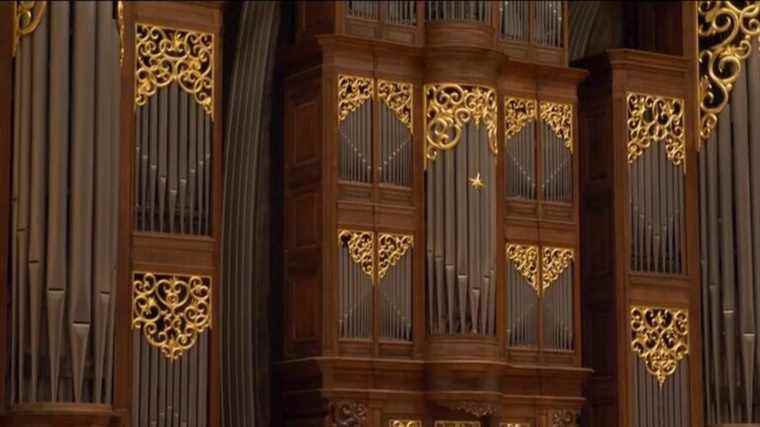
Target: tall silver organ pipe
(395,149)
(355,132)
(515,16)
(401,12)
(558,167)
(463,11)
(547,23)
(520,164)
(367,9)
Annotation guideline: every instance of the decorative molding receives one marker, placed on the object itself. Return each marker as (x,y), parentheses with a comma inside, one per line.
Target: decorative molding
(725,32)
(405,423)
(514,424)
(655,119)
(27,16)
(447,423)
(399,98)
(120,25)
(390,249)
(448,107)
(361,247)
(164,55)
(554,261)
(348,413)
(559,118)
(518,112)
(660,337)
(525,260)
(353,92)
(564,418)
(172,310)
(478,409)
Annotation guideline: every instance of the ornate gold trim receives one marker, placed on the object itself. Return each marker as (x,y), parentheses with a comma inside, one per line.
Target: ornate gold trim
(353,92)
(361,247)
(172,310)
(448,107)
(559,118)
(405,423)
(518,112)
(525,259)
(164,55)
(654,118)
(503,424)
(727,30)
(564,418)
(554,261)
(660,337)
(449,423)
(348,413)
(390,249)
(120,25)
(399,98)
(27,16)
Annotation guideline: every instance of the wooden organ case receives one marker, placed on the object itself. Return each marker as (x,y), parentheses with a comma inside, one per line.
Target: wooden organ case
(432,257)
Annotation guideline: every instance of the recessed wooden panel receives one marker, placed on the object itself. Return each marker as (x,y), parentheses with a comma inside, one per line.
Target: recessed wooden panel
(306,144)
(305,320)
(305,218)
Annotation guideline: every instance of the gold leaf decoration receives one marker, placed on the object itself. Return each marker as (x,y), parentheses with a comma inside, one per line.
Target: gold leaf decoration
(353,92)
(656,119)
(518,112)
(446,423)
(120,24)
(559,118)
(390,249)
(361,247)
(564,418)
(348,413)
(725,32)
(448,107)
(171,310)
(525,260)
(26,19)
(164,55)
(660,338)
(554,261)
(405,423)
(514,425)
(398,97)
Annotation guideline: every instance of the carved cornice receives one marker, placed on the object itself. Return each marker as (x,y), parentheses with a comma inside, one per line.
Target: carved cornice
(399,98)
(26,18)
(656,119)
(554,261)
(348,413)
(518,112)
(390,249)
(559,118)
(353,92)
(361,248)
(172,310)
(564,418)
(660,337)
(525,260)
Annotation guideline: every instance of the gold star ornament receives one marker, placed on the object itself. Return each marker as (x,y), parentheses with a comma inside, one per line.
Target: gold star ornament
(476,182)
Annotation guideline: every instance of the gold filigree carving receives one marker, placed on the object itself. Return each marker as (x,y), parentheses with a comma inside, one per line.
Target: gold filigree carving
(660,337)
(554,261)
(26,19)
(559,118)
(361,247)
(448,107)
(514,425)
(399,98)
(120,24)
(518,112)
(390,249)
(405,423)
(447,423)
(525,260)
(725,31)
(564,418)
(171,310)
(164,55)
(656,119)
(477,409)
(353,92)
(348,413)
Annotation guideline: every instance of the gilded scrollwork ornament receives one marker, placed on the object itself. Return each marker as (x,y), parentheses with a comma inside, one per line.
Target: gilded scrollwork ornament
(447,423)
(361,248)
(390,249)
(554,261)
(726,29)
(398,97)
(449,107)
(660,337)
(525,261)
(405,423)
(26,19)
(120,24)
(518,112)
(564,418)
(353,92)
(165,55)
(171,310)
(656,119)
(348,413)
(559,118)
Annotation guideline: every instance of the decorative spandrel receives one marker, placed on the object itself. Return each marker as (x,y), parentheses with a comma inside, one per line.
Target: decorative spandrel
(726,29)
(518,112)
(399,98)
(656,119)
(353,92)
(449,107)
(559,118)
(361,248)
(525,260)
(165,55)
(660,337)
(390,249)
(172,310)
(554,261)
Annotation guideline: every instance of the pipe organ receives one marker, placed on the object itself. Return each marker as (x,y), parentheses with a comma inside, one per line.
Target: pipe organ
(432,257)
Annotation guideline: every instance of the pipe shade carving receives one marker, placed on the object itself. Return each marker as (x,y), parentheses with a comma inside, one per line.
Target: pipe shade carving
(564,418)
(656,119)
(554,261)
(447,423)
(659,336)
(165,55)
(518,112)
(171,310)
(26,19)
(390,249)
(725,32)
(348,413)
(399,98)
(405,423)
(559,118)
(361,247)
(353,92)
(525,260)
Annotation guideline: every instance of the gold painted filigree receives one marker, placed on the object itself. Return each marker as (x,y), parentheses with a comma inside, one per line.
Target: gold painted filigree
(120,24)
(398,97)
(559,118)
(390,249)
(514,425)
(448,107)
(171,310)
(353,92)
(518,112)
(564,418)
(348,413)
(660,337)
(446,423)
(554,261)
(525,260)
(361,247)
(405,423)
(725,32)
(26,19)
(656,119)
(164,55)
